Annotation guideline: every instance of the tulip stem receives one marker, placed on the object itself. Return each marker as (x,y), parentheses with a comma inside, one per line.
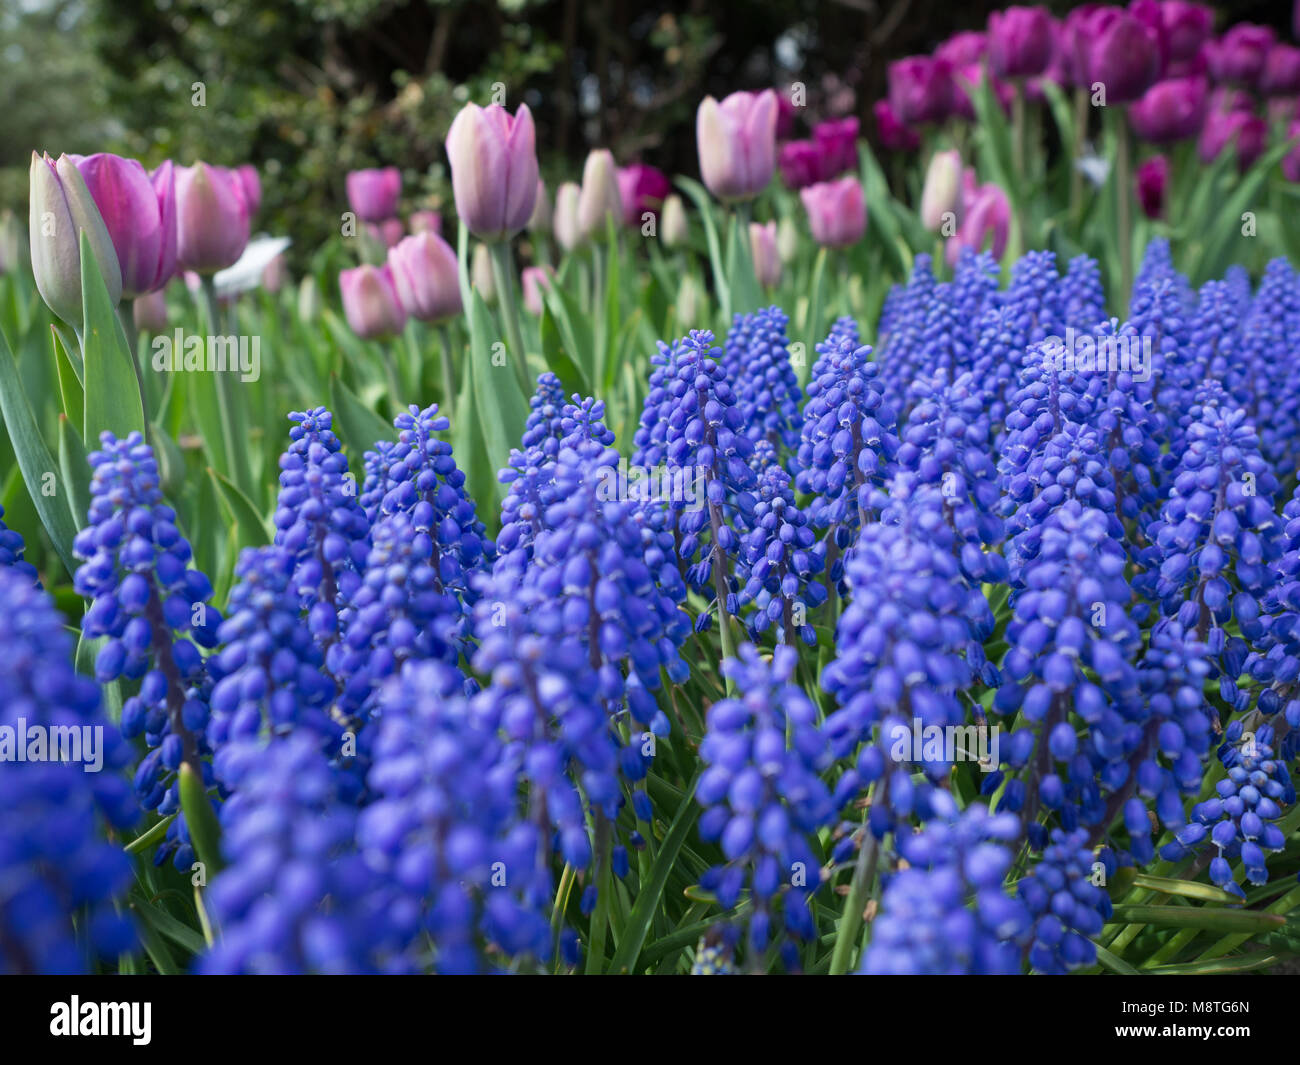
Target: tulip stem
(1123,195)
(508,305)
(447,372)
(127,318)
(1080,136)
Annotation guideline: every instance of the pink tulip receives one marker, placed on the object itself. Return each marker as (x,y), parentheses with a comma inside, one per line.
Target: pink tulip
(388,232)
(252,186)
(837,212)
(766,254)
(274,274)
(427,277)
(493,169)
(140,215)
(370,301)
(736,140)
(150,312)
(211,218)
(987,222)
(534,280)
(373,194)
(425,222)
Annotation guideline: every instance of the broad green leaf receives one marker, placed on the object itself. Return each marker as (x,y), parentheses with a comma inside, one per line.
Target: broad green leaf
(75,469)
(358,426)
(113,401)
(201,819)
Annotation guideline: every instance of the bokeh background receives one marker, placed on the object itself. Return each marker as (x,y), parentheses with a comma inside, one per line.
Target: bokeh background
(307,90)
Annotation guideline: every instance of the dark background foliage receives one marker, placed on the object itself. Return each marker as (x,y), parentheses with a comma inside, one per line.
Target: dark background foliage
(308,89)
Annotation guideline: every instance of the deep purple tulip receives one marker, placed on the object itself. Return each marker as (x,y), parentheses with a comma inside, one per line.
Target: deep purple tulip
(1151,180)
(1171,110)
(140,215)
(1119,52)
(426,276)
(370,301)
(1019,42)
(1185,26)
(1072,44)
(493,169)
(837,212)
(736,141)
(642,189)
(894,134)
(252,186)
(800,163)
(920,90)
(837,140)
(785,114)
(1238,57)
(373,194)
(211,218)
(1281,76)
(1247,131)
(963,49)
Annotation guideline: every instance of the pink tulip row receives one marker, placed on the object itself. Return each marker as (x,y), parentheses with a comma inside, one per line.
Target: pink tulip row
(144,227)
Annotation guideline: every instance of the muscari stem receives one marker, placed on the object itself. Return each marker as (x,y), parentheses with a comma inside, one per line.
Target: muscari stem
(447,372)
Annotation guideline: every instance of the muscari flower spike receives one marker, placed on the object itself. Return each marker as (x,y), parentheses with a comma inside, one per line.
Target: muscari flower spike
(757,362)
(1068,906)
(11,550)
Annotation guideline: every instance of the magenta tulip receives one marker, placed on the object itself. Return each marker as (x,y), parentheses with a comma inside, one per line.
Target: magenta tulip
(1238,57)
(837,212)
(1281,74)
(1185,26)
(1019,42)
(1119,52)
(373,194)
(1291,161)
(800,163)
(140,215)
(1171,110)
(837,141)
(1247,131)
(920,89)
(370,301)
(211,218)
(493,169)
(736,141)
(1151,180)
(785,113)
(642,190)
(427,277)
(963,49)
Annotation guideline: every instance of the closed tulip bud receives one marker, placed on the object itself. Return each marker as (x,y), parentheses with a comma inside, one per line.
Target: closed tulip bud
(1186,26)
(425,222)
(986,222)
(534,280)
(837,212)
(370,301)
(1121,53)
(1150,181)
(674,230)
(1281,74)
(493,169)
(565,219)
(920,90)
(787,240)
(766,255)
(736,141)
(309,301)
(1239,56)
(211,218)
(599,200)
(140,216)
(540,220)
(1171,110)
(481,276)
(252,186)
(150,312)
(642,190)
(427,277)
(942,192)
(373,194)
(60,209)
(690,300)
(1019,41)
